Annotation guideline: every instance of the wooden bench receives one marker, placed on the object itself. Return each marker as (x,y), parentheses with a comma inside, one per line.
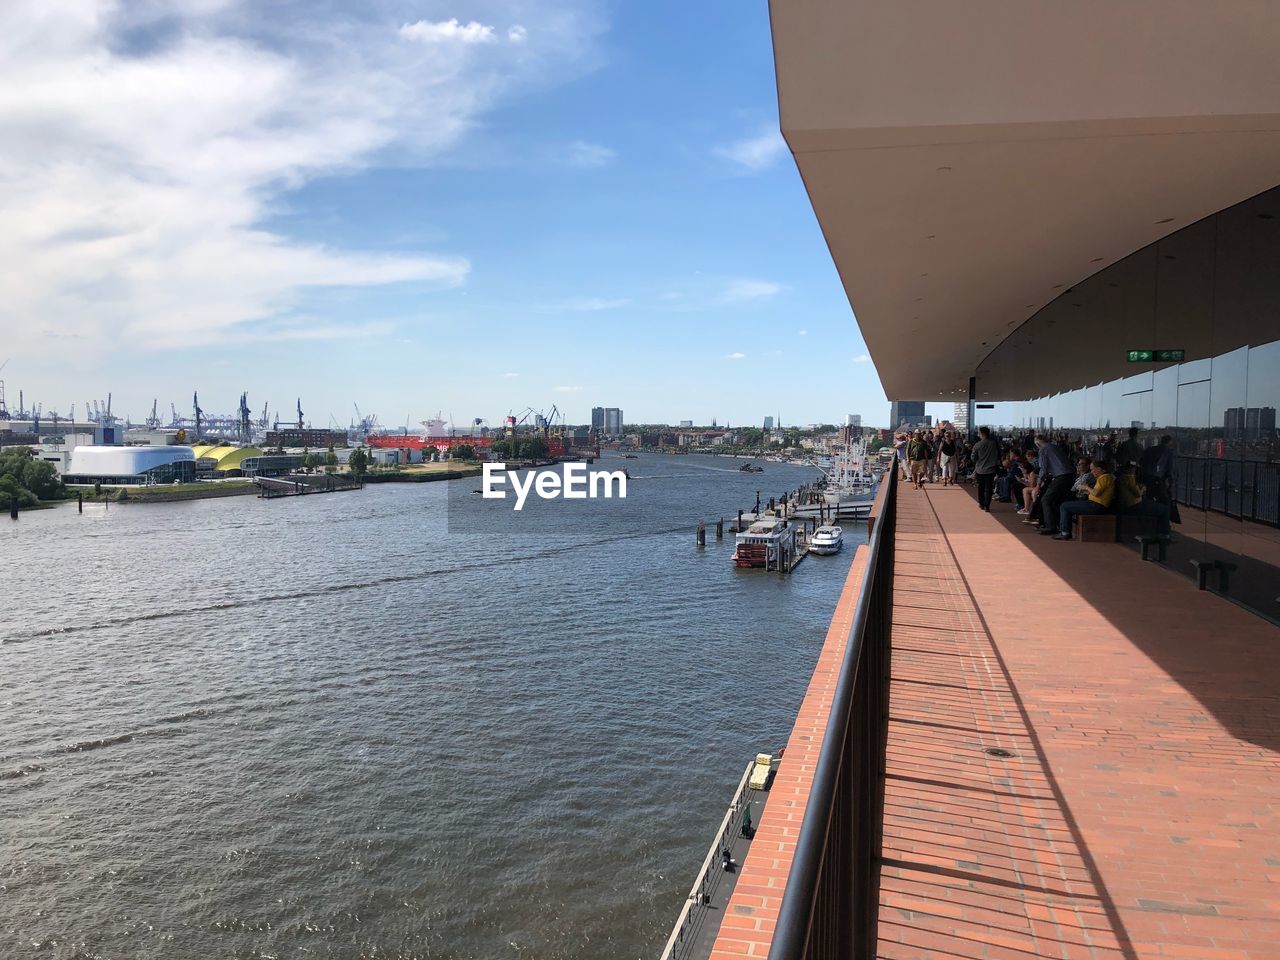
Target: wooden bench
(1095,527)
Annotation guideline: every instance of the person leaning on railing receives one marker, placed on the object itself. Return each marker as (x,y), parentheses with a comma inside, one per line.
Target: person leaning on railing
(1099,501)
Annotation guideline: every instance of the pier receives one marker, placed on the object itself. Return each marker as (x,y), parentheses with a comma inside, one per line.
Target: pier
(269,488)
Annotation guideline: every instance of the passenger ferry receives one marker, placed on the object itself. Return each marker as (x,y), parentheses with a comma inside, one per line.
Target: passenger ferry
(768,544)
(826,539)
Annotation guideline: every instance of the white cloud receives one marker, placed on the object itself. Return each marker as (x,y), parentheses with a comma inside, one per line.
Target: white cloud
(741,290)
(568,389)
(862,358)
(735,356)
(448,31)
(755,153)
(147,146)
(509,376)
(592,304)
(517,34)
(804,333)
(588,155)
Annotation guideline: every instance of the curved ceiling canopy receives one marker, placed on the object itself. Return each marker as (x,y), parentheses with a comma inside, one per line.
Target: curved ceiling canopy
(968,162)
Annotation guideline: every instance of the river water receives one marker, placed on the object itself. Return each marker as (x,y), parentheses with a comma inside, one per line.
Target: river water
(353,726)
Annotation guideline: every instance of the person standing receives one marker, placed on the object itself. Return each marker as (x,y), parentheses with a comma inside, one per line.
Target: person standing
(947,451)
(986,461)
(1130,451)
(917,455)
(1056,478)
(900,445)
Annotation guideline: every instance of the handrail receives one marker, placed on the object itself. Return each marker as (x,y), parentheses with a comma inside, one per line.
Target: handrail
(701,885)
(847,784)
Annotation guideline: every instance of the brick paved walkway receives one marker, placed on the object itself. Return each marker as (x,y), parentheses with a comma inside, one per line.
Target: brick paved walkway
(1139,815)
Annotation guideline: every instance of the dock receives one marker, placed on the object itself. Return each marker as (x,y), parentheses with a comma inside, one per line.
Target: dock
(300,485)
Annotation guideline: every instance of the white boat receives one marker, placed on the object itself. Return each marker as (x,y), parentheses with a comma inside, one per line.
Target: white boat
(826,539)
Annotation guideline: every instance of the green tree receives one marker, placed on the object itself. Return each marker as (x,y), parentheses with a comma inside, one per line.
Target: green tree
(533,448)
(308,461)
(501,450)
(358,462)
(330,460)
(465,451)
(31,474)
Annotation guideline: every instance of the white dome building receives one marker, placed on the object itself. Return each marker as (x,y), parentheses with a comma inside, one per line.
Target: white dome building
(131,465)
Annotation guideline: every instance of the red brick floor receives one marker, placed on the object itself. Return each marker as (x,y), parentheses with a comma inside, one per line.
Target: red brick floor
(1140,813)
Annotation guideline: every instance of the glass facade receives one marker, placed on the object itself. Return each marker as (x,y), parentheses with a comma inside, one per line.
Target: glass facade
(1212,291)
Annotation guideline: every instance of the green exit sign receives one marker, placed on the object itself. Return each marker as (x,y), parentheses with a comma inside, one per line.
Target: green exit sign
(1156,356)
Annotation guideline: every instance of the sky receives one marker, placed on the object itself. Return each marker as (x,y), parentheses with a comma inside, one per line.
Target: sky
(468,208)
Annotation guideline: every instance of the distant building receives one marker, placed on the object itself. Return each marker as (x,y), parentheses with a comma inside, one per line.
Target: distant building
(131,465)
(597,419)
(686,423)
(311,439)
(612,421)
(960,415)
(908,413)
(1248,423)
(853,420)
(768,424)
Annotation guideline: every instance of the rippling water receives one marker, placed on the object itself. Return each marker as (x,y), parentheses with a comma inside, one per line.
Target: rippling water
(341,727)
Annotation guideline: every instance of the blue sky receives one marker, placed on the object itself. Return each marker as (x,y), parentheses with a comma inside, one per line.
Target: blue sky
(416,207)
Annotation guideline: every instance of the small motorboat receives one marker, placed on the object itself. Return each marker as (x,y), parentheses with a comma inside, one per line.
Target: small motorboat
(750,468)
(630,456)
(827,539)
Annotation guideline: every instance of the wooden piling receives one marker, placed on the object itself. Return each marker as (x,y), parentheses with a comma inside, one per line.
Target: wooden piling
(702,534)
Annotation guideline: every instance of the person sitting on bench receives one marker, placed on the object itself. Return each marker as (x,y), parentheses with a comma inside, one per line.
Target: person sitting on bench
(1084,480)
(1131,502)
(1100,498)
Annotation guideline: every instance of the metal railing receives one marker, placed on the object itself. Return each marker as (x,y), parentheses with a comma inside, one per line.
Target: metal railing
(1241,489)
(709,878)
(831,900)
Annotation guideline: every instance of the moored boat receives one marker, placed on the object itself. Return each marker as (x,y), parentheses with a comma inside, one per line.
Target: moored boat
(826,539)
(769,544)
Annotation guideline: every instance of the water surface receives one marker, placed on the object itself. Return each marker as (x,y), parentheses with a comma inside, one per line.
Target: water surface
(343,726)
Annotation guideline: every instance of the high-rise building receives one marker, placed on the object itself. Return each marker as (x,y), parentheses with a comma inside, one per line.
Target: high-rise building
(597,419)
(612,421)
(686,423)
(906,412)
(960,415)
(1248,423)
(853,420)
(768,424)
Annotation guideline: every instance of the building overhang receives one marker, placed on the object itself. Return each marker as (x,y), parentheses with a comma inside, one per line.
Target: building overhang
(969,163)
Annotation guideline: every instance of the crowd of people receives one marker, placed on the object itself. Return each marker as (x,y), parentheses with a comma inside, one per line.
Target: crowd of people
(1050,479)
